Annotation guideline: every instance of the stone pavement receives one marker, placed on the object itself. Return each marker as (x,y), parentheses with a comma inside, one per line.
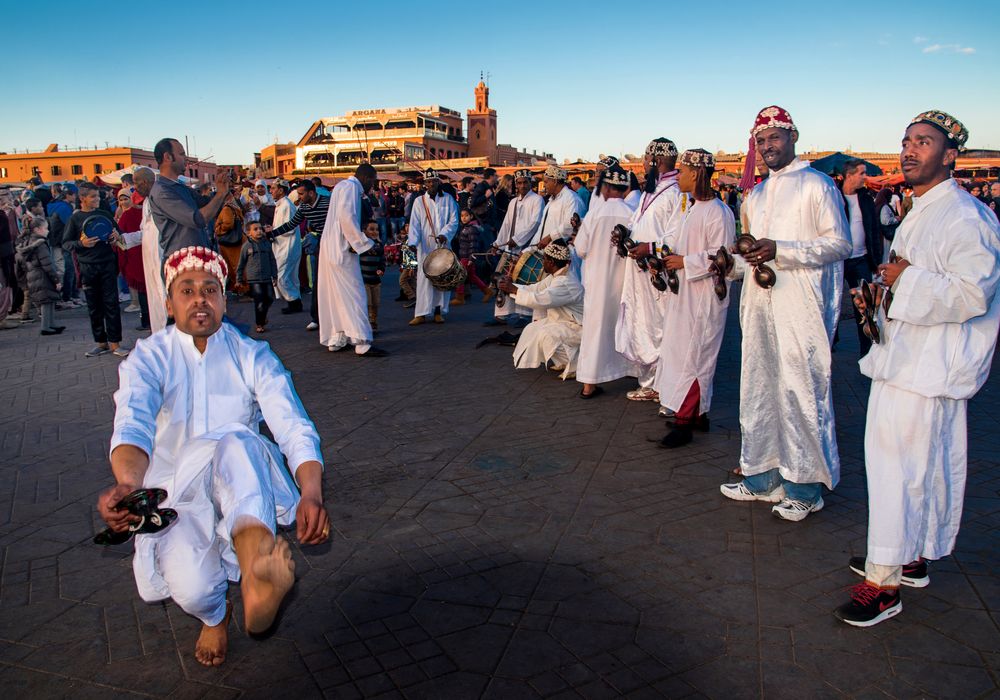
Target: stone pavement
(494,536)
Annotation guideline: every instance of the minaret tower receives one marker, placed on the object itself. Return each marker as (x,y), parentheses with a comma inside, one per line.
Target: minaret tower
(482,125)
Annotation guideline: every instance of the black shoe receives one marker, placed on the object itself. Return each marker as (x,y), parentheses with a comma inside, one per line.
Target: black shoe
(142,328)
(914,573)
(678,437)
(48,331)
(58,329)
(374,352)
(701,423)
(869,605)
(294,307)
(401,297)
(494,322)
(595,393)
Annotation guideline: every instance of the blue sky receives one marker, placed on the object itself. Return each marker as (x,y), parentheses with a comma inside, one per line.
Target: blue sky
(574,79)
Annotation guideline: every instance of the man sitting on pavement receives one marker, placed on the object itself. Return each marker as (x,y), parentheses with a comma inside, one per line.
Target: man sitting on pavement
(188,410)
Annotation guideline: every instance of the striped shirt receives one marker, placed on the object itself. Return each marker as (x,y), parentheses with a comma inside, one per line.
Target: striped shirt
(314,215)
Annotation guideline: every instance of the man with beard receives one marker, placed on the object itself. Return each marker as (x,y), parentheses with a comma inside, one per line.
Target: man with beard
(187,420)
(866,234)
(433,223)
(694,319)
(654,225)
(558,214)
(789,448)
(520,224)
(603,273)
(939,334)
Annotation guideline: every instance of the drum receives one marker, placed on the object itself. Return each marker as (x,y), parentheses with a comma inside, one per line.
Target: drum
(408,259)
(528,269)
(443,269)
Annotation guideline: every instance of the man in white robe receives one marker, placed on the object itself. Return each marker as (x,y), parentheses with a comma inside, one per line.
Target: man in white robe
(789,448)
(433,223)
(520,224)
(156,296)
(343,305)
(553,337)
(188,409)
(287,249)
(654,226)
(603,274)
(937,342)
(694,319)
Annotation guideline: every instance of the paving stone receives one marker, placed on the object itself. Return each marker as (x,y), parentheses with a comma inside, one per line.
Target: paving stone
(493,537)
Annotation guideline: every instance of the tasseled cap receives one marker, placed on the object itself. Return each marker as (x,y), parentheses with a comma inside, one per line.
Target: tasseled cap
(195,258)
(773,117)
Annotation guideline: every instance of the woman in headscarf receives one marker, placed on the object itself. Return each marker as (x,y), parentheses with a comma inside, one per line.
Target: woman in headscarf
(129,219)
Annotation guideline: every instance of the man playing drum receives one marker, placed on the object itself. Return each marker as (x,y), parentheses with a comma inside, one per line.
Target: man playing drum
(433,223)
(521,222)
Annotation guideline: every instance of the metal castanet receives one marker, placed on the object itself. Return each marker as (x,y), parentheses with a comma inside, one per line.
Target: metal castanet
(144,503)
(762,274)
(721,265)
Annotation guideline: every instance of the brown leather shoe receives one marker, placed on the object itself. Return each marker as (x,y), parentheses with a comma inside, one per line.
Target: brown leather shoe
(417,320)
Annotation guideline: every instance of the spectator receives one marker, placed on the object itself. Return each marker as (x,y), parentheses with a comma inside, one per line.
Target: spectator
(866,235)
(98,273)
(468,244)
(888,220)
(229,236)
(258,268)
(8,235)
(130,259)
(483,204)
(372,269)
(395,208)
(465,188)
(580,187)
(42,281)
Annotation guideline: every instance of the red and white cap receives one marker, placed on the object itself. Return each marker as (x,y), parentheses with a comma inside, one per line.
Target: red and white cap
(773,117)
(195,258)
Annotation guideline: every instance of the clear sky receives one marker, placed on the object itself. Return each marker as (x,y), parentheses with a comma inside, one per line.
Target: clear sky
(575,79)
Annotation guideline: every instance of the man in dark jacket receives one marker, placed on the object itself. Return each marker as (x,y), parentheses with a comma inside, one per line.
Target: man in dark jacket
(866,235)
(483,201)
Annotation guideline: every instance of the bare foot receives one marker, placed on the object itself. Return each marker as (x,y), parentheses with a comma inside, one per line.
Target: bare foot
(266,582)
(210,649)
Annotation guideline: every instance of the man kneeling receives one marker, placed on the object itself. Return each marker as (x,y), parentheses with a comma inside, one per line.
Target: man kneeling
(189,405)
(554,336)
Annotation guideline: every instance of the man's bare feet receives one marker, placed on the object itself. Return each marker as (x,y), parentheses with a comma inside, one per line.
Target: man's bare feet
(266,581)
(210,649)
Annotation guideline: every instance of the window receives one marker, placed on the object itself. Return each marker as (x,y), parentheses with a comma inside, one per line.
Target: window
(3,172)
(35,170)
(76,169)
(55,170)
(97,168)
(119,166)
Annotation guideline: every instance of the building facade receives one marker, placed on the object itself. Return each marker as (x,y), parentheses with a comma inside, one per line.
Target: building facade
(54,165)
(276,160)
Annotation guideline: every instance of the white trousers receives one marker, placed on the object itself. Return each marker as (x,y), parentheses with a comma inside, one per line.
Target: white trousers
(288,253)
(429,298)
(915,458)
(224,477)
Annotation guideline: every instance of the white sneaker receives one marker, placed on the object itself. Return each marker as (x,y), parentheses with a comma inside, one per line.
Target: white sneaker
(642,395)
(124,297)
(312,326)
(791,509)
(740,492)
(131,308)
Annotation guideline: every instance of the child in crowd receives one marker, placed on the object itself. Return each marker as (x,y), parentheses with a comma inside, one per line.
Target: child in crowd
(34,260)
(468,242)
(259,269)
(372,269)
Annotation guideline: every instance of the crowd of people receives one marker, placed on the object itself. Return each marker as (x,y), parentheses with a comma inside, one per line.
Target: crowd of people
(625,278)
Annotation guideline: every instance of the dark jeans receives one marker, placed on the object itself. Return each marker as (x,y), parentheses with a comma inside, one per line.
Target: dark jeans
(855,270)
(69,277)
(261,294)
(100,286)
(143,309)
(396,225)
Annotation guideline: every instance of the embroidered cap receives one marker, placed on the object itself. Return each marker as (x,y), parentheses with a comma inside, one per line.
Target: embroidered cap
(523,175)
(609,161)
(697,158)
(557,250)
(431,174)
(661,147)
(951,127)
(773,117)
(195,258)
(616,175)
(554,172)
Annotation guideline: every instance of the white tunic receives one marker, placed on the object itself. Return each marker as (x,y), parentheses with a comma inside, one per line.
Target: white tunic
(555,332)
(786,406)
(603,275)
(343,306)
(596,201)
(178,405)
(520,224)
(424,231)
(694,319)
(557,215)
(287,251)
(156,295)
(639,329)
(935,354)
